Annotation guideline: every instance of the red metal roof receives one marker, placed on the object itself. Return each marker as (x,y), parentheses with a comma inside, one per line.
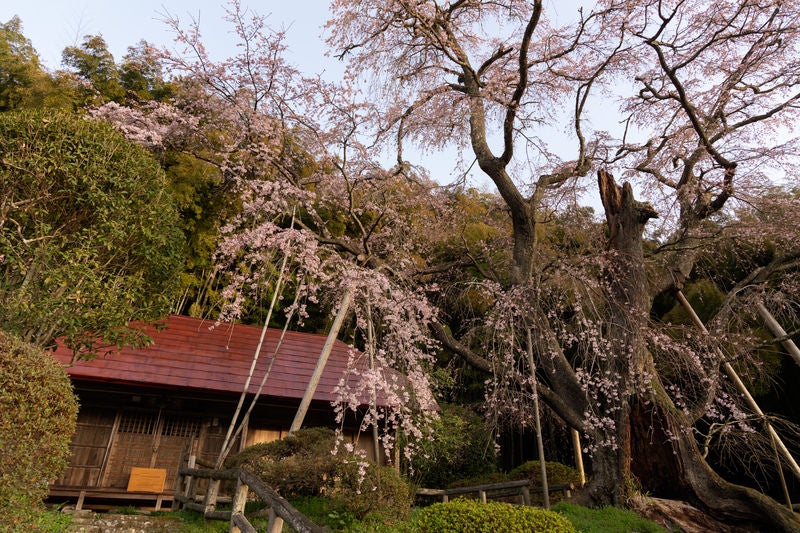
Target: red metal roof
(193,353)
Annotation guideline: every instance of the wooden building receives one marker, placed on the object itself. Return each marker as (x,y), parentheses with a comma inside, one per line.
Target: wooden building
(139,408)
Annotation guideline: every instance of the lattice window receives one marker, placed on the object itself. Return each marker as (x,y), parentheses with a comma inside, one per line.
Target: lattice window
(138,423)
(180,427)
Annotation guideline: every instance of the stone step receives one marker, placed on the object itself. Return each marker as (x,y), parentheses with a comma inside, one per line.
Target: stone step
(89,522)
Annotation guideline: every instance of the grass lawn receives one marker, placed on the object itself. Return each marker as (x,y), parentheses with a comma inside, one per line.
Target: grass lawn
(329,513)
(606,520)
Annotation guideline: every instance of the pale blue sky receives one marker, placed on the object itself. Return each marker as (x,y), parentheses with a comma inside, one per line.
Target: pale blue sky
(53,25)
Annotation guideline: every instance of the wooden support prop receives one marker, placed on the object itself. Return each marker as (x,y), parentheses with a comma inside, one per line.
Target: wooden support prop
(526,496)
(322,361)
(191,482)
(576,448)
(740,386)
(178,477)
(539,443)
(275,524)
(776,329)
(212,493)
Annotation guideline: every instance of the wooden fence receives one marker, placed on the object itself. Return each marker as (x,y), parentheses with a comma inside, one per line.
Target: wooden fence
(186,495)
(521,488)
(246,482)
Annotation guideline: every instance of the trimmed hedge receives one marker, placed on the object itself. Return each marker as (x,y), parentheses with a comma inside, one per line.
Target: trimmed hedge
(557,473)
(302,464)
(297,465)
(472,516)
(38,410)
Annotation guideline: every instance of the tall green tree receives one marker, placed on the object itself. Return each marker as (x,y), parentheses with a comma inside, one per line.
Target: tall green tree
(19,64)
(94,63)
(141,74)
(89,237)
(24,82)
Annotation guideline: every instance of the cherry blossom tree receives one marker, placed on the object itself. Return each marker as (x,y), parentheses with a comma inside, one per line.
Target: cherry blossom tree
(707,92)
(705,97)
(313,199)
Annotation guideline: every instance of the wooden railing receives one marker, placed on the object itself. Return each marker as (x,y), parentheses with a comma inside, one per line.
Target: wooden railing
(521,488)
(246,482)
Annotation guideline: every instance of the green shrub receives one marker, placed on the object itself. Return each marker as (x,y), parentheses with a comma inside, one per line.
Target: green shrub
(557,473)
(300,464)
(38,410)
(472,516)
(463,447)
(484,479)
(377,490)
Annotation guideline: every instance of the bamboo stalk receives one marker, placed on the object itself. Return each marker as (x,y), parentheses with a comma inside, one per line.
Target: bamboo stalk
(278,286)
(246,386)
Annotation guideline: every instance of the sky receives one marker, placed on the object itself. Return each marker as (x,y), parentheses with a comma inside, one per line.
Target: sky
(52,25)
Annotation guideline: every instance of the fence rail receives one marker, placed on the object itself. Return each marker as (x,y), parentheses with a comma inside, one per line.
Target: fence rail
(246,482)
(521,488)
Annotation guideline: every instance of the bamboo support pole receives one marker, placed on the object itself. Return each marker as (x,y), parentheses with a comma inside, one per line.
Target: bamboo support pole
(576,447)
(776,329)
(740,386)
(246,387)
(322,361)
(539,443)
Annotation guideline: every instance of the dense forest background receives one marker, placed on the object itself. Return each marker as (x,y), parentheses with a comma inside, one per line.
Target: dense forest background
(243,189)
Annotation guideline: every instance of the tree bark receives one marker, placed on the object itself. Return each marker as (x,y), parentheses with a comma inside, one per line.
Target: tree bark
(656,450)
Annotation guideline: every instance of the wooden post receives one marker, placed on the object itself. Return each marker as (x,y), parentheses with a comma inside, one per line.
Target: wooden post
(779,467)
(526,496)
(179,478)
(373,392)
(238,504)
(275,524)
(323,359)
(539,443)
(776,329)
(189,480)
(482,496)
(212,491)
(576,448)
(742,389)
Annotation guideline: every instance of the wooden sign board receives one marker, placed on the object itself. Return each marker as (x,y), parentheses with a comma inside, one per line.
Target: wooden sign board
(147,479)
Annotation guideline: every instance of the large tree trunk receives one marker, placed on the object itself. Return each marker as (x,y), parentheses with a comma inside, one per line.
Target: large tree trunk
(656,450)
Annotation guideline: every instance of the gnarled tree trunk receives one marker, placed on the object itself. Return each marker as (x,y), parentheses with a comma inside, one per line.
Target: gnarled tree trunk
(655,448)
